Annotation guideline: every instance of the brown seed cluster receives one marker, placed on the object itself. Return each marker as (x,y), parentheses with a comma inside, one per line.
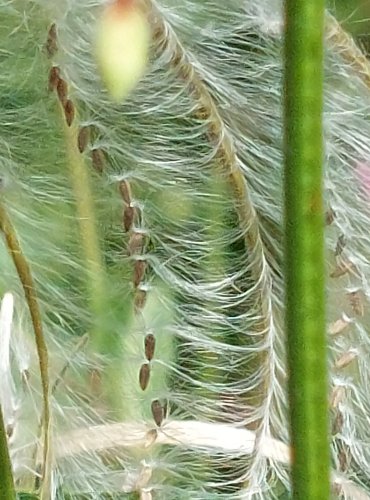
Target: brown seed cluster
(136,250)
(56,82)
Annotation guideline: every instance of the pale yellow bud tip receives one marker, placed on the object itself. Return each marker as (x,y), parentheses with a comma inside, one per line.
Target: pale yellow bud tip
(122,45)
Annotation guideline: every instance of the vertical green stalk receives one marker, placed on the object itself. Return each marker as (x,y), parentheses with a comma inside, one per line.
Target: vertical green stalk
(304,248)
(7,491)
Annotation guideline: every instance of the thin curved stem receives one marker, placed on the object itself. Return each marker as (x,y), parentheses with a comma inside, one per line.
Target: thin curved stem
(26,279)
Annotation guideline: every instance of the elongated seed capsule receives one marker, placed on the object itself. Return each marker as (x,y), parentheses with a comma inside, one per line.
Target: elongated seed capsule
(139,300)
(144,376)
(157,412)
(54,75)
(51,41)
(125,190)
(98,160)
(69,112)
(62,90)
(83,138)
(149,344)
(128,218)
(135,244)
(139,272)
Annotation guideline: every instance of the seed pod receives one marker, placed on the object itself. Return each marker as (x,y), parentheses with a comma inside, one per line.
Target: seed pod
(83,138)
(98,160)
(149,343)
(135,245)
(125,190)
(51,41)
(62,91)
(139,300)
(69,112)
(54,76)
(139,271)
(122,45)
(128,218)
(144,376)
(157,412)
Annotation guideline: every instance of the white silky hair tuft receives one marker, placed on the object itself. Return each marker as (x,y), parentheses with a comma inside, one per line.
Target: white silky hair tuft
(181,390)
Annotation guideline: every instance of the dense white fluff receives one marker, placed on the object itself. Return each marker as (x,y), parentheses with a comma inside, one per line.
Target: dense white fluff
(191,164)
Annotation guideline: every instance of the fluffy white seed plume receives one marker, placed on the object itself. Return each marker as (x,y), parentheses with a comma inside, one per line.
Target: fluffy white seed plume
(154,227)
(8,397)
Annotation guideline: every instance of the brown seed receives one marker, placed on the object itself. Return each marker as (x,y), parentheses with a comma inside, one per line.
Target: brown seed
(343,460)
(329,217)
(157,412)
(150,438)
(144,376)
(356,303)
(62,90)
(98,160)
(128,218)
(338,326)
(54,75)
(341,269)
(149,343)
(51,41)
(135,245)
(9,430)
(125,190)
(139,272)
(139,300)
(337,424)
(345,359)
(341,243)
(337,396)
(83,138)
(69,112)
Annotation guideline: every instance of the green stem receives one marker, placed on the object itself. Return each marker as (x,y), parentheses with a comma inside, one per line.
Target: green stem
(7,491)
(305,270)
(26,279)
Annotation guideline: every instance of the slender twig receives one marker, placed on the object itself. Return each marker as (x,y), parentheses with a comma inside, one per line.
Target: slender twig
(26,279)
